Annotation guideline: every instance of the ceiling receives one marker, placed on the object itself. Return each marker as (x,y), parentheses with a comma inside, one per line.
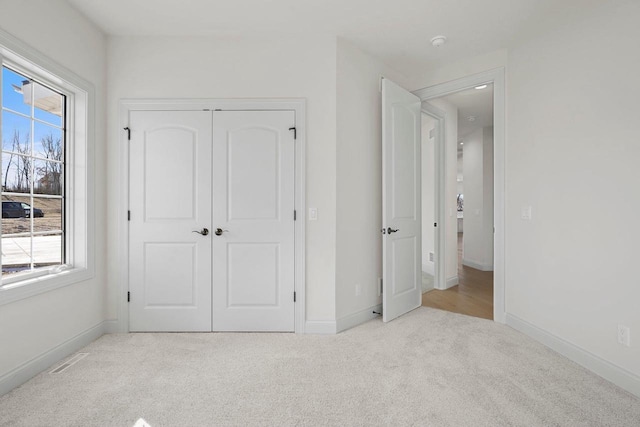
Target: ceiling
(472,102)
(396,31)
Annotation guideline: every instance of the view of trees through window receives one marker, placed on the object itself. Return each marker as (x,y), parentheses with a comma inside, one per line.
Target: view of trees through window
(33,161)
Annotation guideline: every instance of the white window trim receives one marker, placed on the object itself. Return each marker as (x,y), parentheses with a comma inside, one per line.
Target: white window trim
(79,185)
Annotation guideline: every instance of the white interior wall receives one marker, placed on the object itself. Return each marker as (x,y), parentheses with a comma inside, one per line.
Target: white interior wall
(472,167)
(477,162)
(207,67)
(455,70)
(359,182)
(428,192)
(35,326)
(451,187)
(572,155)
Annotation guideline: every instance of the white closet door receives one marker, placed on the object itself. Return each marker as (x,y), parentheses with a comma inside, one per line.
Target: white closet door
(170,203)
(253,265)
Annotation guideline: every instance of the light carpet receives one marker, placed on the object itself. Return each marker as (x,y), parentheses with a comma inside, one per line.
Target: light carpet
(427,368)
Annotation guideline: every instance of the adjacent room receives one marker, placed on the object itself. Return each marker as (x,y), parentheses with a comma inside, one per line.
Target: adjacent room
(319,213)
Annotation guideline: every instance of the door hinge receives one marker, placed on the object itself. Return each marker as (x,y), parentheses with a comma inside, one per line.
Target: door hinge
(294,215)
(295,132)
(128,215)
(294,296)
(128,133)
(128,296)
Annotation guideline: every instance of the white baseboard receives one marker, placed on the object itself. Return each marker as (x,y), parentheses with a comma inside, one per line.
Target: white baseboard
(111,327)
(607,370)
(320,327)
(451,282)
(355,319)
(477,265)
(33,367)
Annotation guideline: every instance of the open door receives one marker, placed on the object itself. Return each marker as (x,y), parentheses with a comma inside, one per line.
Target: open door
(401,201)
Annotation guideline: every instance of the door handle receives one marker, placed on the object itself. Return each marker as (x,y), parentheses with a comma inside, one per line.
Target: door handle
(391,230)
(204,231)
(219,231)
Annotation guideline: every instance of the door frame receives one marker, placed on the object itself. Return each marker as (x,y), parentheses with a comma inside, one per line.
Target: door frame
(497,78)
(440,279)
(126,106)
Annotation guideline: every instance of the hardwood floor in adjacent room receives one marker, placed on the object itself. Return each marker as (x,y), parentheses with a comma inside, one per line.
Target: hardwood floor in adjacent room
(472,296)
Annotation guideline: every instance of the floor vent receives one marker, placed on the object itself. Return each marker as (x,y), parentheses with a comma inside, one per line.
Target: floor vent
(66,365)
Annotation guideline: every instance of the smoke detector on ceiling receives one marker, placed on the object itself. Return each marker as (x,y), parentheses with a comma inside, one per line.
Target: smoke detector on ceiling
(438,41)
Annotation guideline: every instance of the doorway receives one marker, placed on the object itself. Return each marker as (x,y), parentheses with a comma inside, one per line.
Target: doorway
(452,267)
(212,221)
(469,233)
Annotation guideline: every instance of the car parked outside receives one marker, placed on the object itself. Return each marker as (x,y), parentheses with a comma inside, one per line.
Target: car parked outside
(12,210)
(37,213)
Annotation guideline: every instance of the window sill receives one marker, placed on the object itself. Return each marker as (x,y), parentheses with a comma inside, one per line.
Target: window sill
(33,286)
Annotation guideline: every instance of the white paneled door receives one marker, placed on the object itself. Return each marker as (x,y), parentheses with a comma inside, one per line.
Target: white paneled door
(401,201)
(212,221)
(170,205)
(253,266)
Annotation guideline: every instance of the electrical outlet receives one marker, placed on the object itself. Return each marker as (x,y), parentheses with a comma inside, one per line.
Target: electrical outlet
(431,256)
(624,335)
(358,289)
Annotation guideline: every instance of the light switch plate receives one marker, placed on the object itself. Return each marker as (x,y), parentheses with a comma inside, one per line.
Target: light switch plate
(525,213)
(313,214)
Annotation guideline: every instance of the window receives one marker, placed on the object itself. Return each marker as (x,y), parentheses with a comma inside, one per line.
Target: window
(33,170)
(45,173)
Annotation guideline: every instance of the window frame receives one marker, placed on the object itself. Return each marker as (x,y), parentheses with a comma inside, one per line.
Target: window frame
(79,198)
(26,274)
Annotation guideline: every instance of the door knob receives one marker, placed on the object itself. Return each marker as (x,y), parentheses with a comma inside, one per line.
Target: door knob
(391,230)
(219,231)
(204,231)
